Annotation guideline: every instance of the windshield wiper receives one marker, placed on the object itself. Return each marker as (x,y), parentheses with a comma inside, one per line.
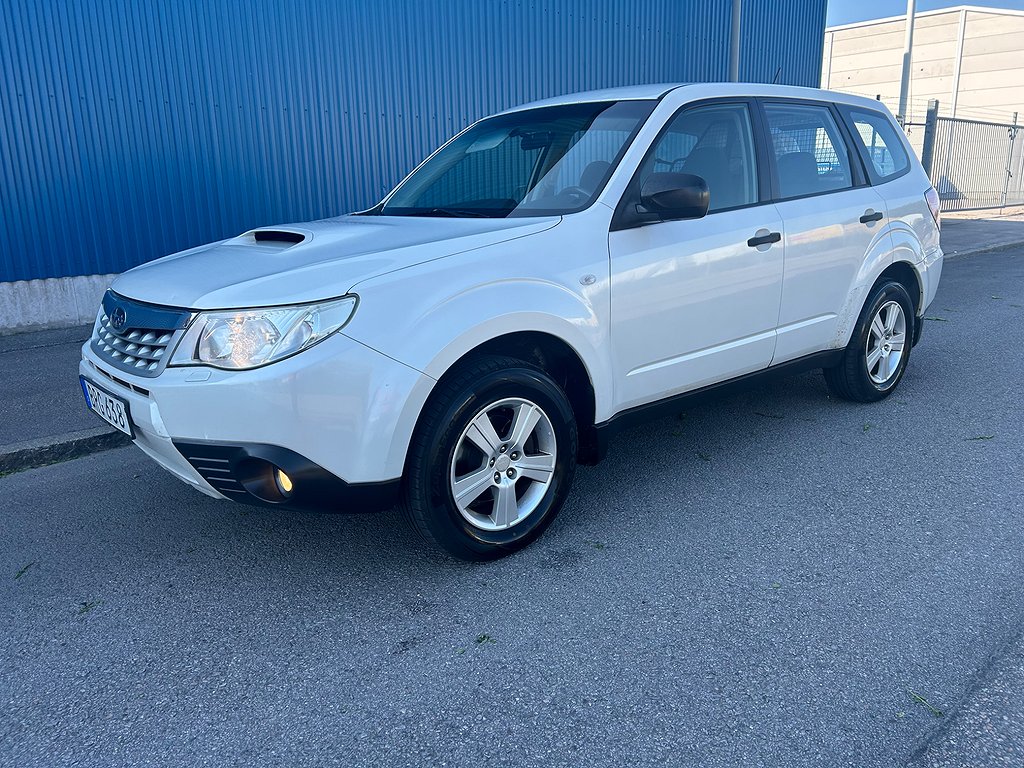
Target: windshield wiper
(453,213)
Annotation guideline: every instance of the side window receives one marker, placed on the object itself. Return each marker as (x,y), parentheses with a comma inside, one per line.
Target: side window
(881,143)
(714,142)
(810,153)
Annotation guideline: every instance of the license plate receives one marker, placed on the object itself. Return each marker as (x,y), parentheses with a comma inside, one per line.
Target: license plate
(112,410)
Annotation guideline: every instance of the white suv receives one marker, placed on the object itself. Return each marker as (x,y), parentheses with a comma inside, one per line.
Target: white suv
(549,275)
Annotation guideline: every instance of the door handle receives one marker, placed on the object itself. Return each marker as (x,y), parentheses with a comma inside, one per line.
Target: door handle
(870,216)
(771,237)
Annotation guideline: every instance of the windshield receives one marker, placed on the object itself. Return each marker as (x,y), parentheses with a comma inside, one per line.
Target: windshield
(537,162)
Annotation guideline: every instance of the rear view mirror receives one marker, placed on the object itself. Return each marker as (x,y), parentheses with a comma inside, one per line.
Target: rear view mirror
(675,196)
(535,139)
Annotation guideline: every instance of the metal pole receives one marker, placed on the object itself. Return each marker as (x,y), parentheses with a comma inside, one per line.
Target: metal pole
(1009,161)
(930,124)
(958,62)
(734,43)
(826,78)
(908,50)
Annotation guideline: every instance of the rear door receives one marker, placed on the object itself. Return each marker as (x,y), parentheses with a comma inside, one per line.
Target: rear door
(832,220)
(896,175)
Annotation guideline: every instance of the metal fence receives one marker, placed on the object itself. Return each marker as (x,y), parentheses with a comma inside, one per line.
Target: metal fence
(975,158)
(972,163)
(977,164)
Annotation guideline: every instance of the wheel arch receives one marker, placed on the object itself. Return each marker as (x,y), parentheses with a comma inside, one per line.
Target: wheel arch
(560,360)
(879,266)
(904,273)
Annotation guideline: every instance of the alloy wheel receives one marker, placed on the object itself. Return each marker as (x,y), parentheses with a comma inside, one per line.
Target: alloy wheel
(887,338)
(503,464)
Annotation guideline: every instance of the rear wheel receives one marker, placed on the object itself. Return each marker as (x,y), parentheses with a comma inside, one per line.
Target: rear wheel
(874,361)
(492,459)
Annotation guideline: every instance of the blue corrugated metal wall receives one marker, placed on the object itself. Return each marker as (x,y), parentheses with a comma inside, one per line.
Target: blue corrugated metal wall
(134,129)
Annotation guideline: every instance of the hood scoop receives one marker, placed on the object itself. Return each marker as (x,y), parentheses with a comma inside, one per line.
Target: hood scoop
(281,239)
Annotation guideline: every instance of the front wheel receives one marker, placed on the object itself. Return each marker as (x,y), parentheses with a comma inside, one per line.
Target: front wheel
(492,459)
(874,361)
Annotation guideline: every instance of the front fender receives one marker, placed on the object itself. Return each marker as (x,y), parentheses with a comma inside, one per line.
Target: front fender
(429,324)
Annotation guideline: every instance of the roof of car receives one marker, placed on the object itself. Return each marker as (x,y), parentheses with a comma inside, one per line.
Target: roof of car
(627,93)
(658,90)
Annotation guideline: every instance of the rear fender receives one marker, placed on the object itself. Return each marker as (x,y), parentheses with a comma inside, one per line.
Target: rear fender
(902,245)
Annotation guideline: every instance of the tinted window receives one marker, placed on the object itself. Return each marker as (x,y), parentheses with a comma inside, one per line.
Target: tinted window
(544,161)
(715,143)
(882,144)
(810,154)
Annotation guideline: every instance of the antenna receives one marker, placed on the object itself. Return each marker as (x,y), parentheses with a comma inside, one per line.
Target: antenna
(777,73)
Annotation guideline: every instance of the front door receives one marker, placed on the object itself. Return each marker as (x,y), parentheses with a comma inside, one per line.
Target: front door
(695,302)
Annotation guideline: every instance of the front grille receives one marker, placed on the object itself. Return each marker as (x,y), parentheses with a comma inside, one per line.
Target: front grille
(145,342)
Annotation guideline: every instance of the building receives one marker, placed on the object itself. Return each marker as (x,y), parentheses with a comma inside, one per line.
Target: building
(971,59)
(134,129)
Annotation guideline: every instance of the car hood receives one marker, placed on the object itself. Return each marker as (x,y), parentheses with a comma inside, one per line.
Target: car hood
(309,262)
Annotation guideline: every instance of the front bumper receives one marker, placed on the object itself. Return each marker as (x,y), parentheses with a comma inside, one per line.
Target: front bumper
(339,407)
(247,472)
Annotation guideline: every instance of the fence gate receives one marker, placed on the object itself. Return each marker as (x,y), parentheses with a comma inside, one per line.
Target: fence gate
(973,163)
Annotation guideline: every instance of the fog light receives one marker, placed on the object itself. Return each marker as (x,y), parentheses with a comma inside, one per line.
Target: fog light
(284,483)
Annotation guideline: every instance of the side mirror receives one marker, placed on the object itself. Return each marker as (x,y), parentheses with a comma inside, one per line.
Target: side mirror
(675,196)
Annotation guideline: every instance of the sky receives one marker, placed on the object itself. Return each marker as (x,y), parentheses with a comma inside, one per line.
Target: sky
(846,11)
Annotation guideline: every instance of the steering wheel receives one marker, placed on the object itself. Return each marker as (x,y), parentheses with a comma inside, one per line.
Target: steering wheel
(575,192)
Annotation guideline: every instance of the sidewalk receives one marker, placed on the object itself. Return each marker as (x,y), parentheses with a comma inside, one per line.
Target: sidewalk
(970,232)
(43,417)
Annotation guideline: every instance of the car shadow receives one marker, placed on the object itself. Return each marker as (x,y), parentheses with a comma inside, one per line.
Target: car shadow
(684,447)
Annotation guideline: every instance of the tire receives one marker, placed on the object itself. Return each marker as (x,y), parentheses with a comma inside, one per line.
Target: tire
(483,522)
(867,372)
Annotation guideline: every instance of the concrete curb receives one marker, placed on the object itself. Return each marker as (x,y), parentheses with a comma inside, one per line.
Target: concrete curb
(978,251)
(50,450)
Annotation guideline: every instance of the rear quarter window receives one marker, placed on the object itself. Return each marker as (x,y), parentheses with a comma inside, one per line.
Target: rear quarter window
(881,144)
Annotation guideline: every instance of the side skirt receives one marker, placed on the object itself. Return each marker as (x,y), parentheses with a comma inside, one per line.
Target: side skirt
(670,405)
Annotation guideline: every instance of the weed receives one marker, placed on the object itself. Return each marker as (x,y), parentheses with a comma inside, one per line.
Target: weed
(937,319)
(978,437)
(703,456)
(768,415)
(922,700)
(88,606)
(21,573)
(484,639)
(867,427)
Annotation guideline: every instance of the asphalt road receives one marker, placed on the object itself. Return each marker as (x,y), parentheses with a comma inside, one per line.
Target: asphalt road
(765,581)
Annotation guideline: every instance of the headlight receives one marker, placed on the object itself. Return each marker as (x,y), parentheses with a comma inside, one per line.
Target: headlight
(249,338)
